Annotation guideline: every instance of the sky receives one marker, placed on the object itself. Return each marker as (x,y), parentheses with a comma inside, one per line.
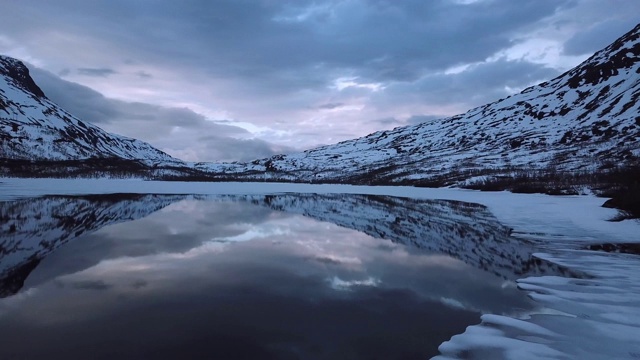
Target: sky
(236,80)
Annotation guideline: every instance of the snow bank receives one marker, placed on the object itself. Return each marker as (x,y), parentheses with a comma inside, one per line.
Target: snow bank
(593,318)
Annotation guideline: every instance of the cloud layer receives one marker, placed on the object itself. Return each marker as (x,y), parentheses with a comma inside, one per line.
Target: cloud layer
(178,131)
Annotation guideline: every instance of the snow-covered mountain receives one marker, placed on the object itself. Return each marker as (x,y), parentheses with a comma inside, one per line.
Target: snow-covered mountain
(32,228)
(34,128)
(585,119)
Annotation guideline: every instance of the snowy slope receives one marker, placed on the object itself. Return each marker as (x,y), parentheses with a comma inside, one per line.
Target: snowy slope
(585,118)
(32,228)
(34,128)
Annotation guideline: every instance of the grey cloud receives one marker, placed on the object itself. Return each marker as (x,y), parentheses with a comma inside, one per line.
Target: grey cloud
(144,75)
(598,36)
(100,72)
(139,284)
(156,124)
(481,83)
(319,134)
(412,120)
(501,73)
(89,105)
(228,149)
(330,106)
(271,41)
(83,102)
(91,285)
(327,260)
(388,121)
(309,133)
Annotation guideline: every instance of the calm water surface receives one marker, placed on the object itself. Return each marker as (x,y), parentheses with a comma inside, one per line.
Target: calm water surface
(258,277)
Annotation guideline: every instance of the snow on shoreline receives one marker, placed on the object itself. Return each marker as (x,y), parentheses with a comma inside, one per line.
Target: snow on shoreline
(589,318)
(593,318)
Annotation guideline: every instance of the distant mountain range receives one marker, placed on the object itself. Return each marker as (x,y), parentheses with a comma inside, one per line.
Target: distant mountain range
(585,121)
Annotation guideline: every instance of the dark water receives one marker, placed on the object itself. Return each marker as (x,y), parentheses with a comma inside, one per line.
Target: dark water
(256,277)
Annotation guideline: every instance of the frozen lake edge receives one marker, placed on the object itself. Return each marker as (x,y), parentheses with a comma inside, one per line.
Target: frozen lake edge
(591,319)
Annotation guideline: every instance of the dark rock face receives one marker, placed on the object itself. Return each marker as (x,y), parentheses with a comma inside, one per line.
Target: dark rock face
(619,56)
(19,73)
(13,280)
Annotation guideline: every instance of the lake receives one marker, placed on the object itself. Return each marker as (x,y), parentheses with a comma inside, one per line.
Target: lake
(275,276)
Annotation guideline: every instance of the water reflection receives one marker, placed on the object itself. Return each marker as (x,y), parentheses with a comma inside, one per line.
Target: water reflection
(32,228)
(223,277)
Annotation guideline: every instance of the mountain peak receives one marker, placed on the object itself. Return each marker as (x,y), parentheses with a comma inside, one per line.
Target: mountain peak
(18,73)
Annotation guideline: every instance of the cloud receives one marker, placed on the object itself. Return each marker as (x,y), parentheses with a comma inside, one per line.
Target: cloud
(232,149)
(327,260)
(99,72)
(338,284)
(452,303)
(331,106)
(387,121)
(288,47)
(91,285)
(496,79)
(597,36)
(180,132)
(144,75)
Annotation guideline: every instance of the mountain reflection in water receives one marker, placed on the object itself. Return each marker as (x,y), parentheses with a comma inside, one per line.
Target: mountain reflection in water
(220,276)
